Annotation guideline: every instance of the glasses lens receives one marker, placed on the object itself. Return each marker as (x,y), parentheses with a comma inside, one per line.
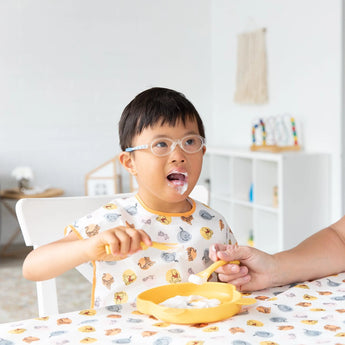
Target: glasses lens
(161,146)
(192,143)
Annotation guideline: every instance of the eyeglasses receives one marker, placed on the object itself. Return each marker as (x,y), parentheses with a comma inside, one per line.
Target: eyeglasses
(164,146)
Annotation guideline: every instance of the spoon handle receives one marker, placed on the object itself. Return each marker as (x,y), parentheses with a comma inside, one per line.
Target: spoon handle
(209,270)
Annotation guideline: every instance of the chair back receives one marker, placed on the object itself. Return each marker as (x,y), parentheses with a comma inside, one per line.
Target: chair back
(43,220)
(201,193)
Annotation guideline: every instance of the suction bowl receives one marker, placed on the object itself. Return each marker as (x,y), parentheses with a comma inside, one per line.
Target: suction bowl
(148,302)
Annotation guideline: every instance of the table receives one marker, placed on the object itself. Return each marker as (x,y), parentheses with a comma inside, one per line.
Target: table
(308,313)
(15,194)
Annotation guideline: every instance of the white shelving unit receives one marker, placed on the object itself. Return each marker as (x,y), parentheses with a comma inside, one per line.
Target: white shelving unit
(302,204)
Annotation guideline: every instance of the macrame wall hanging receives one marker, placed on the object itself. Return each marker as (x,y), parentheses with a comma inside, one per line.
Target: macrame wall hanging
(251,76)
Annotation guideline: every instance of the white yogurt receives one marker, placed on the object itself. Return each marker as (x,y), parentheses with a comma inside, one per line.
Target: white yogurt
(190,302)
(195,279)
(182,189)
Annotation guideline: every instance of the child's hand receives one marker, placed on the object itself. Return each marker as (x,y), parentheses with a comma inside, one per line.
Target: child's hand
(122,241)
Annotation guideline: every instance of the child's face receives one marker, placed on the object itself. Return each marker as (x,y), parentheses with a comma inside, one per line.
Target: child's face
(165,181)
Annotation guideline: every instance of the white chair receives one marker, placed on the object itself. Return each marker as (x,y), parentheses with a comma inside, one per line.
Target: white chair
(43,220)
(201,193)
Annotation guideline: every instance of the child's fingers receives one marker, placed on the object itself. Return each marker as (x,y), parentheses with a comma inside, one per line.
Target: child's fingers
(124,239)
(112,239)
(112,245)
(135,239)
(145,237)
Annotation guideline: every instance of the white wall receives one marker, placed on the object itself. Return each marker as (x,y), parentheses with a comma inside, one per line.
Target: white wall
(68,68)
(304,73)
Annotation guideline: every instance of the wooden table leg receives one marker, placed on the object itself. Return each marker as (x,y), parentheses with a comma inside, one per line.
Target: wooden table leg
(3,251)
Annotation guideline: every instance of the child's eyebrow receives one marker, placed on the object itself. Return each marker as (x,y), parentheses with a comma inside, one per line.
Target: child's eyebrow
(157,136)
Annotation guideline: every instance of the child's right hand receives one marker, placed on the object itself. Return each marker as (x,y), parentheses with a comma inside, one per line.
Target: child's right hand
(122,240)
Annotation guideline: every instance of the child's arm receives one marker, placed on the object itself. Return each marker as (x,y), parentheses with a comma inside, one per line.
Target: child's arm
(55,258)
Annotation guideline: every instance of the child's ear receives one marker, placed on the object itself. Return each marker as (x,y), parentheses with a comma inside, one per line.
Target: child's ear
(203,150)
(128,163)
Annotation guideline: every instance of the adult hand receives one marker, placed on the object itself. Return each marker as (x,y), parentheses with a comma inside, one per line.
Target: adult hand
(255,271)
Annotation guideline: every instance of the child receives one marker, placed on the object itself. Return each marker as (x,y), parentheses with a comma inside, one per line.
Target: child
(163,142)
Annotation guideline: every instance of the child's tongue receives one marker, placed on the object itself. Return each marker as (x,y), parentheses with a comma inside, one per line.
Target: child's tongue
(179,181)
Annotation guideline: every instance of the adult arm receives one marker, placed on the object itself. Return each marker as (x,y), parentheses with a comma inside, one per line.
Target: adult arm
(320,255)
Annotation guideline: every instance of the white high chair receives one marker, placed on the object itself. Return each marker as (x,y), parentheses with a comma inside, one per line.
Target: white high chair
(43,220)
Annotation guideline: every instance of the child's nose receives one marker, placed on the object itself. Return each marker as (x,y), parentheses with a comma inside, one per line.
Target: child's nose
(177,155)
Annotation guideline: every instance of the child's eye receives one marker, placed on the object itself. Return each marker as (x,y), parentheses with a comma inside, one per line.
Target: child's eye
(190,142)
(161,144)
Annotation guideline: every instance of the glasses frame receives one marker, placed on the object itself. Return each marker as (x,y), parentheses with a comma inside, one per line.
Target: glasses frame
(172,147)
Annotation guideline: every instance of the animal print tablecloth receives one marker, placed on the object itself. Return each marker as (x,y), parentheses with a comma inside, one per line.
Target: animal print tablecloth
(308,313)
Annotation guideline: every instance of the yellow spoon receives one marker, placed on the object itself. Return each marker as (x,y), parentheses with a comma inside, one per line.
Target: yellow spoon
(202,276)
(157,245)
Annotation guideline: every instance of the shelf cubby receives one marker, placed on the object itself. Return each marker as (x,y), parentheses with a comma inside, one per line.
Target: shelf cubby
(281,198)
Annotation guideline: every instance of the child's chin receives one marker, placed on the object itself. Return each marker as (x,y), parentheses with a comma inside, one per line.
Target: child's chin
(180,189)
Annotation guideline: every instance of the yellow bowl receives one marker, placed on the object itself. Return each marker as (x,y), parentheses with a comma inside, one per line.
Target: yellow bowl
(148,302)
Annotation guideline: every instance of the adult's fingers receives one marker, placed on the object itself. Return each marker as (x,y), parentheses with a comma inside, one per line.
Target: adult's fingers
(214,249)
(235,252)
(233,270)
(241,283)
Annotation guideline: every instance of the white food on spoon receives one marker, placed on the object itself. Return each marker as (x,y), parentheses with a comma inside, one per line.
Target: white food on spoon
(195,279)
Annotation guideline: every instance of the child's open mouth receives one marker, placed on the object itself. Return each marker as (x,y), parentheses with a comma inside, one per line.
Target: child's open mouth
(177,178)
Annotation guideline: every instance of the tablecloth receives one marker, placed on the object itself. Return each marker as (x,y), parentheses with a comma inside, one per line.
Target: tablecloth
(307,313)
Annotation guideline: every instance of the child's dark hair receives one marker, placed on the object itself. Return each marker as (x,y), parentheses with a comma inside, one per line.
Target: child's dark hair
(152,106)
